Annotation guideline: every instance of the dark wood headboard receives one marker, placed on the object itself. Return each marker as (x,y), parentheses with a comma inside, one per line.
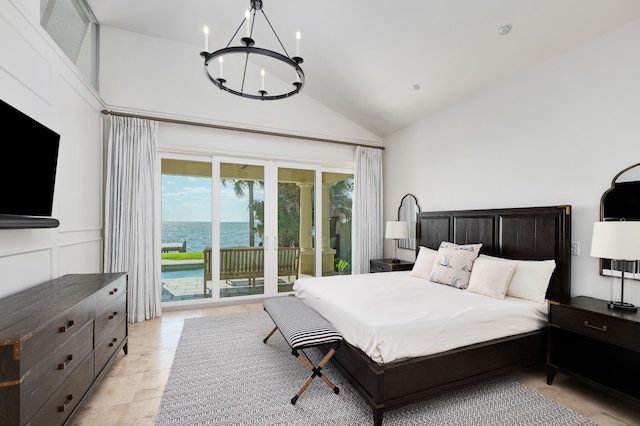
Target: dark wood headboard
(532,233)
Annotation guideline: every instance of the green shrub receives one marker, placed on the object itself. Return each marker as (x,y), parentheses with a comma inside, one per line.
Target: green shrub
(343,266)
(190,255)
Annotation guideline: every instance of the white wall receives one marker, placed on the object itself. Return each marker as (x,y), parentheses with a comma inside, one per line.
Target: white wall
(158,77)
(554,135)
(203,140)
(37,78)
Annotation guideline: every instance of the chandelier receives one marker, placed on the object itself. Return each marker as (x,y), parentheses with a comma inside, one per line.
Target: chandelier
(248,83)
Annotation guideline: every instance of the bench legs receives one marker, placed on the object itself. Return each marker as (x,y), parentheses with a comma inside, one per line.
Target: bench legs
(270,334)
(315,370)
(315,373)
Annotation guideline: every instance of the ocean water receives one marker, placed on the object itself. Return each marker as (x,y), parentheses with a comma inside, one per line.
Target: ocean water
(198,234)
(198,237)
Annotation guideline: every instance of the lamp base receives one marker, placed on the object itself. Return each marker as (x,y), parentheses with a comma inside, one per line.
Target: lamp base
(622,306)
(395,260)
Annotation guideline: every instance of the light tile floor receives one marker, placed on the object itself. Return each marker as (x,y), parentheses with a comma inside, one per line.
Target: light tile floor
(130,393)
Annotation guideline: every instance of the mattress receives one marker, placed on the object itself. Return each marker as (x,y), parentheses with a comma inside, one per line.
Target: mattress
(392,316)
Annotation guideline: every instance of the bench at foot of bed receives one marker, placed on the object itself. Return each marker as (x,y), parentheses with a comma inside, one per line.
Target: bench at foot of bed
(302,328)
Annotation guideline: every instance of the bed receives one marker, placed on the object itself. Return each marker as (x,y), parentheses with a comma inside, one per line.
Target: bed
(393,376)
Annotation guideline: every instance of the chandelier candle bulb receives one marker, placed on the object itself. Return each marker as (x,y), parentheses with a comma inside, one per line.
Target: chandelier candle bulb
(247,17)
(206,38)
(298,43)
(221,60)
(262,78)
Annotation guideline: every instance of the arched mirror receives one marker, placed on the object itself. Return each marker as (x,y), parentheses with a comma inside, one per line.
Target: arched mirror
(408,212)
(622,202)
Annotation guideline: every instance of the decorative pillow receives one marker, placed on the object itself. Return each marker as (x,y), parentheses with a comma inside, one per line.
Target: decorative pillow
(491,276)
(424,263)
(531,279)
(453,264)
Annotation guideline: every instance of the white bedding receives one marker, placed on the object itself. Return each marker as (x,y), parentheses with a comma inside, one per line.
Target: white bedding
(392,315)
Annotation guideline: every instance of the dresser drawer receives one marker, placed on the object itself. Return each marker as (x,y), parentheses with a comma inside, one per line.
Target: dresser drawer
(56,367)
(109,345)
(112,291)
(109,316)
(62,403)
(591,324)
(54,334)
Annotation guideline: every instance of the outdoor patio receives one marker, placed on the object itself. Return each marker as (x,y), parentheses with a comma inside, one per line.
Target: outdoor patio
(187,288)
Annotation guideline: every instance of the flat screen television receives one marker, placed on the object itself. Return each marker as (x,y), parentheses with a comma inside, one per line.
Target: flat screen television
(28,163)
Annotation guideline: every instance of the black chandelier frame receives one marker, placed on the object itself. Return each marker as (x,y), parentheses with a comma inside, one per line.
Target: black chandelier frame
(249,49)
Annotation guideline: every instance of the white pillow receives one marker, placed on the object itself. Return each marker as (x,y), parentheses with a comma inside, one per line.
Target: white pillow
(454,263)
(531,279)
(491,276)
(424,263)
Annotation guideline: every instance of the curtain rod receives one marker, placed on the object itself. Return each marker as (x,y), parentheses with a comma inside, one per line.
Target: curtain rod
(237,129)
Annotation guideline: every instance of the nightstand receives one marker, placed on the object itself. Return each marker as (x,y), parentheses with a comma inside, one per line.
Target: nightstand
(594,344)
(386,265)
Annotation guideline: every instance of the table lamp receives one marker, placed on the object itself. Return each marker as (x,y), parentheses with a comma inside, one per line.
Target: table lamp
(396,230)
(620,242)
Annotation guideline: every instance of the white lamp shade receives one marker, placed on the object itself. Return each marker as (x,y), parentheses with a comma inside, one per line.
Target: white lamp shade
(397,229)
(616,240)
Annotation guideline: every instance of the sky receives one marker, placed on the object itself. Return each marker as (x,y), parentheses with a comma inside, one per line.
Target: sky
(188,199)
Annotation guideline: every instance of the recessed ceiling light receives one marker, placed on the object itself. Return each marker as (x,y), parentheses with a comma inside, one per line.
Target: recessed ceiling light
(504,30)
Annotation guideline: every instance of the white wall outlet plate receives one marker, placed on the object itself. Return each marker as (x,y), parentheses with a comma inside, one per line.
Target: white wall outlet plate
(575,248)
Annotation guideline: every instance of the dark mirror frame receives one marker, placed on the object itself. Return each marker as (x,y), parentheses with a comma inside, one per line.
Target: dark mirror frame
(408,211)
(622,202)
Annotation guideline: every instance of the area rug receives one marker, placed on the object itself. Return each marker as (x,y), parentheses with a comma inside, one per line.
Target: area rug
(223,374)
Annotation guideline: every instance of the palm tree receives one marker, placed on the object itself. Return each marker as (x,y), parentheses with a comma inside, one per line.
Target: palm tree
(341,197)
(288,207)
(239,187)
(288,215)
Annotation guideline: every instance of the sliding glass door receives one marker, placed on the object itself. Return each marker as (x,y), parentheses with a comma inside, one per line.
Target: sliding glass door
(337,202)
(234,227)
(241,242)
(186,228)
(296,212)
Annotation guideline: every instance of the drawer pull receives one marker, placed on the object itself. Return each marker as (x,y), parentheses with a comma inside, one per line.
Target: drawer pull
(113,315)
(112,343)
(63,407)
(114,291)
(63,365)
(65,328)
(595,327)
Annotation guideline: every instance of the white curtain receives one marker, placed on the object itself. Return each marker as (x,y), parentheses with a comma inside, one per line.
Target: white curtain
(129,213)
(367,209)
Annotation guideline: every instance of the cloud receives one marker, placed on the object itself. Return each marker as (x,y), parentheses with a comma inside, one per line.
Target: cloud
(197,190)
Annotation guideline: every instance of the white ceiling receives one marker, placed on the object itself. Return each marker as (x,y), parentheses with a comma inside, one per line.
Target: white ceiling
(362,58)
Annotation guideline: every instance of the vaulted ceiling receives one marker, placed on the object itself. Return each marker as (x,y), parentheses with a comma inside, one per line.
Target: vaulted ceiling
(387,64)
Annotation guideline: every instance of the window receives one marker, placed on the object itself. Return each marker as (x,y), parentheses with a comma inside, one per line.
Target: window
(71,24)
(186,228)
(248,228)
(337,212)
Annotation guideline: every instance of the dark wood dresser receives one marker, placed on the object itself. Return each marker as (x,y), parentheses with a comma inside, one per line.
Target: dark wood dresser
(57,341)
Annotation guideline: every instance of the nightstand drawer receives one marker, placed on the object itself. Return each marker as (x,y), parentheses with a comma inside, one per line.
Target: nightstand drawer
(388,265)
(606,328)
(379,267)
